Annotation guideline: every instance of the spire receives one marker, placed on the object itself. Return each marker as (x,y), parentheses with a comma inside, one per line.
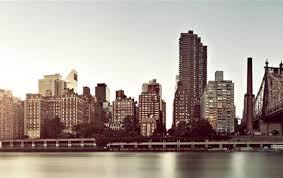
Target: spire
(266,63)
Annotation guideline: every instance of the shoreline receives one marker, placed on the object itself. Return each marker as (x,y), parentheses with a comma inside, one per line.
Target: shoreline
(94,150)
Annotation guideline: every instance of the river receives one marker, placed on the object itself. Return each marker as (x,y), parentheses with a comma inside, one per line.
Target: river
(142,165)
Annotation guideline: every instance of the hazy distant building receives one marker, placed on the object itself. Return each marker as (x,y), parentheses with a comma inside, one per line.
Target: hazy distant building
(36,112)
(150,103)
(72,81)
(122,107)
(192,77)
(218,104)
(51,85)
(148,126)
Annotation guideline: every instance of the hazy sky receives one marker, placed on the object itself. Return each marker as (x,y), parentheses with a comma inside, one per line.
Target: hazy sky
(126,43)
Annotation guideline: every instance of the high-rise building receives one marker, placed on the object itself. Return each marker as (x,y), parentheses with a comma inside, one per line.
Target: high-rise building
(72,110)
(51,85)
(11,116)
(151,104)
(72,81)
(192,77)
(36,112)
(6,114)
(218,104)
(122,107)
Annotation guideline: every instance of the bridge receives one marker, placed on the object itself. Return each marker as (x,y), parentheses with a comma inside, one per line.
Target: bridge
(264,112)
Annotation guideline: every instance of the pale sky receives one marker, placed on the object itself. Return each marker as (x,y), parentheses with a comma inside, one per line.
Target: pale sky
(126,43)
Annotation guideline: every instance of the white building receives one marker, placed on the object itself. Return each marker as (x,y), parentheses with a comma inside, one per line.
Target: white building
(72,81)
(217,104)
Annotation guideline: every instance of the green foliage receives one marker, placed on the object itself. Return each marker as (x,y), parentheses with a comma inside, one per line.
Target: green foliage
(52,128)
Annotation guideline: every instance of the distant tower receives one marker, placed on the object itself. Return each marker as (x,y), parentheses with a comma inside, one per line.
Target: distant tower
(72,81)
(249,97)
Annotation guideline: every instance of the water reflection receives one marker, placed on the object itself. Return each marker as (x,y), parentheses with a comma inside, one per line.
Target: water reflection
(141,165)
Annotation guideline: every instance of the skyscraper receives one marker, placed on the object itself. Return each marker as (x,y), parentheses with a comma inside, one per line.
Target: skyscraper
(72,81)
(51,85)
(218,104)
(192,77)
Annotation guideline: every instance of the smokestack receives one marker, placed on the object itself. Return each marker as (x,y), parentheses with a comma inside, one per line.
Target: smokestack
(249,97)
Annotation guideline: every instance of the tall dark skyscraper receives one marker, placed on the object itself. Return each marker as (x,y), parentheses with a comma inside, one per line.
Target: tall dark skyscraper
(192,77)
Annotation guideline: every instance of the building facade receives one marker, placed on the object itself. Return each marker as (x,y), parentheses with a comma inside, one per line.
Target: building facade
(6,115)
(122,108)
(218,104)
(181,106)
(151,104)
(102,93)
(18,118)
(89,105)
(192,75)
(69,107)
(36,112)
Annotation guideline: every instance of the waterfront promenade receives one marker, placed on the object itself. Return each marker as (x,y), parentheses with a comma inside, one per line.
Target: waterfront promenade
(89,144)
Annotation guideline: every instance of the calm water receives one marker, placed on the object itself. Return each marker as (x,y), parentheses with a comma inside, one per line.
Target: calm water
(141,165)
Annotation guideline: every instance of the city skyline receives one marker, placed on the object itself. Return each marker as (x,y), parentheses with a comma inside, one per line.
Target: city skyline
(89,44)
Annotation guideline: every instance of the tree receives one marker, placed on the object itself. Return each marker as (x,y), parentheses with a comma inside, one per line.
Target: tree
(181,130)
(131,126)
(52,128)
(88,130)
(201,128)
(171,132)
